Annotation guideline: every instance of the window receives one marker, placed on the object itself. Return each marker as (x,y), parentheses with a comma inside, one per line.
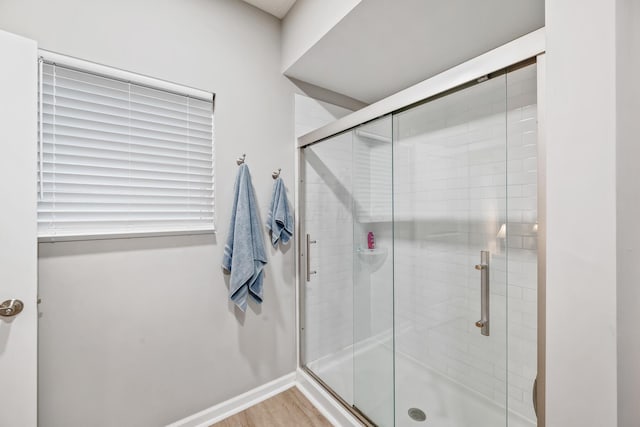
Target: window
(120,157)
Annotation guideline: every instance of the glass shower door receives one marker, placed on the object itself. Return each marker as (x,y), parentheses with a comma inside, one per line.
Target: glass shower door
(327,263)
(449,182)
(347,268)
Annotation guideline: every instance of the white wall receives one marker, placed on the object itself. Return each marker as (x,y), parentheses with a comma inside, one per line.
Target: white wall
(311,113)
(140,331)
(307,22)
(628,194)
(581,214)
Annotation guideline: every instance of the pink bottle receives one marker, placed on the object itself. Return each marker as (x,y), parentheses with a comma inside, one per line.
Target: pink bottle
(371,242)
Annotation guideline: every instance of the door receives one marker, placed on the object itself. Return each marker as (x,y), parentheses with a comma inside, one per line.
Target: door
(18,238)
(449,175)
(327,263)
(347,282)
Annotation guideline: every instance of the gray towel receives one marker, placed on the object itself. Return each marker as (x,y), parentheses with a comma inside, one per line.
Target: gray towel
(280,220)
(244,254)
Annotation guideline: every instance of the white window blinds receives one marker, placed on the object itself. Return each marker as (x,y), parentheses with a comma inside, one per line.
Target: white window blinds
(120,158)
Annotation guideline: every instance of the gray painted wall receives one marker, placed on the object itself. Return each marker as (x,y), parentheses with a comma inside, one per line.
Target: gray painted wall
(628,201)
(139,332)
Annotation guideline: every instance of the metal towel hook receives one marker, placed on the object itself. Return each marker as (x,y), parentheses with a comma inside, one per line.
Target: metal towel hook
(276,174)
(240,160)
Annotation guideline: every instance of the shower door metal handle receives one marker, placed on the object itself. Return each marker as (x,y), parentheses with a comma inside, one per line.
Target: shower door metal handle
(483,323)
(309,272)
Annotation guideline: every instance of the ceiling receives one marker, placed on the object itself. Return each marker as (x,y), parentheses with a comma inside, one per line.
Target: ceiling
(382,47)
(277,8)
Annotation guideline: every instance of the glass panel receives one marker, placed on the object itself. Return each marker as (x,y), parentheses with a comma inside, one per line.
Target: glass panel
(449,180)
(522,236)
(373,271)
(327,299)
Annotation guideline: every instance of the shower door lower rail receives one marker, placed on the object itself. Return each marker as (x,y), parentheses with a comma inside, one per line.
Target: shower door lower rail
(353,410)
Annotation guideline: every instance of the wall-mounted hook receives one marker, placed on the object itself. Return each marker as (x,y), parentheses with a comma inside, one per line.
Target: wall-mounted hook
(240,160)
(276,174)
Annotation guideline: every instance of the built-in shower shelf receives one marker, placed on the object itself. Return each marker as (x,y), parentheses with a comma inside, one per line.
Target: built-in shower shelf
(372,258)
(372,252)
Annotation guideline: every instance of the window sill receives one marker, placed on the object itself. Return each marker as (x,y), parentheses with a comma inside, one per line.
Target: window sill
(132,235)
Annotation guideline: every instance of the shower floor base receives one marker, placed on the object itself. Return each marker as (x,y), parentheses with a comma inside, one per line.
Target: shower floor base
(445,403)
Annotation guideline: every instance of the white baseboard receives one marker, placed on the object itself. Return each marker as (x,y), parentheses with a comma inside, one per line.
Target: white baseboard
(237,404)
(333,411)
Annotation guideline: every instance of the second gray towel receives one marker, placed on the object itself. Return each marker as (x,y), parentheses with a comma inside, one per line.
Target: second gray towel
(279,219)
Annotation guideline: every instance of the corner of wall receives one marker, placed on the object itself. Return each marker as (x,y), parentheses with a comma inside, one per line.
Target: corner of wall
(326,95)
(307,22)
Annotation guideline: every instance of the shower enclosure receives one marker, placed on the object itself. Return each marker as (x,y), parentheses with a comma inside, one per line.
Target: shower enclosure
(419,258)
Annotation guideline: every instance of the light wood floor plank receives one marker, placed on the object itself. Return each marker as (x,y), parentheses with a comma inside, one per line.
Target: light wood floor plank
(287,409)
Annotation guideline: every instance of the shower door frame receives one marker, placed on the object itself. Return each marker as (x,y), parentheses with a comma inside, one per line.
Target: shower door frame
(530,47)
